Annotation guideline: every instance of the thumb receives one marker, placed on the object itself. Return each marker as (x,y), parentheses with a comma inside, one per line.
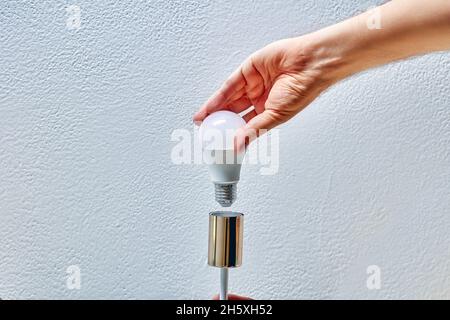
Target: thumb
(258,125)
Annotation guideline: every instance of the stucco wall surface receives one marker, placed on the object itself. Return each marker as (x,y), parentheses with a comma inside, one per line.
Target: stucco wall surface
(86,177)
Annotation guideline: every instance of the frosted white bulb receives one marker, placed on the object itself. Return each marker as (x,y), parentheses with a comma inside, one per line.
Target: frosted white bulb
(217,133)
(218,129)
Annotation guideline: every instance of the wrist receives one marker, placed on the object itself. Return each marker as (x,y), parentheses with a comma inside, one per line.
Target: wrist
(335,53)
(343,49)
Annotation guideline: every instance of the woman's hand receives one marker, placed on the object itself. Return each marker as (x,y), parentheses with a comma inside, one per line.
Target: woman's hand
(232,296)
(284,77)
(279,81)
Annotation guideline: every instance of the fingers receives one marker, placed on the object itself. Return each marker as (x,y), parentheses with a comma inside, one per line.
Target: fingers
(213,104)
(232,88)
(254,79)
(247,117)
(239,105)
(257,125)
(245,86)
(232,296)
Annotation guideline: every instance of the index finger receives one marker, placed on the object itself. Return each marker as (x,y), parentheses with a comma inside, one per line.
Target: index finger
(222,96)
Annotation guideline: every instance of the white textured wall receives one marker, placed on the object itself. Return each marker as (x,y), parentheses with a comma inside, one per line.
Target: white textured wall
(86,177)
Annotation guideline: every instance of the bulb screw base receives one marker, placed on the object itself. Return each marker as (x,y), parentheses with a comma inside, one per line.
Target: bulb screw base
(226,193)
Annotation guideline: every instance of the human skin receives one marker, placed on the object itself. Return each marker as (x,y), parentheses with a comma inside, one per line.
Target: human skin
(284,77)
(232,296)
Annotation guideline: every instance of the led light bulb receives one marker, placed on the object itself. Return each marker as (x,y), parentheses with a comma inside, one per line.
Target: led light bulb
(217,133)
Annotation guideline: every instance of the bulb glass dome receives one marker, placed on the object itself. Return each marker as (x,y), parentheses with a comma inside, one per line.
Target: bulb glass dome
(217,131)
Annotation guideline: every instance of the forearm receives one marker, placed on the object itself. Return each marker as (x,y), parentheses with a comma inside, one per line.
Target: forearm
(283,78)
(406,28)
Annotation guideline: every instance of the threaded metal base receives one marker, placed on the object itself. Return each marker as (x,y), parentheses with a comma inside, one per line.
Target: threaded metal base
(225,194)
